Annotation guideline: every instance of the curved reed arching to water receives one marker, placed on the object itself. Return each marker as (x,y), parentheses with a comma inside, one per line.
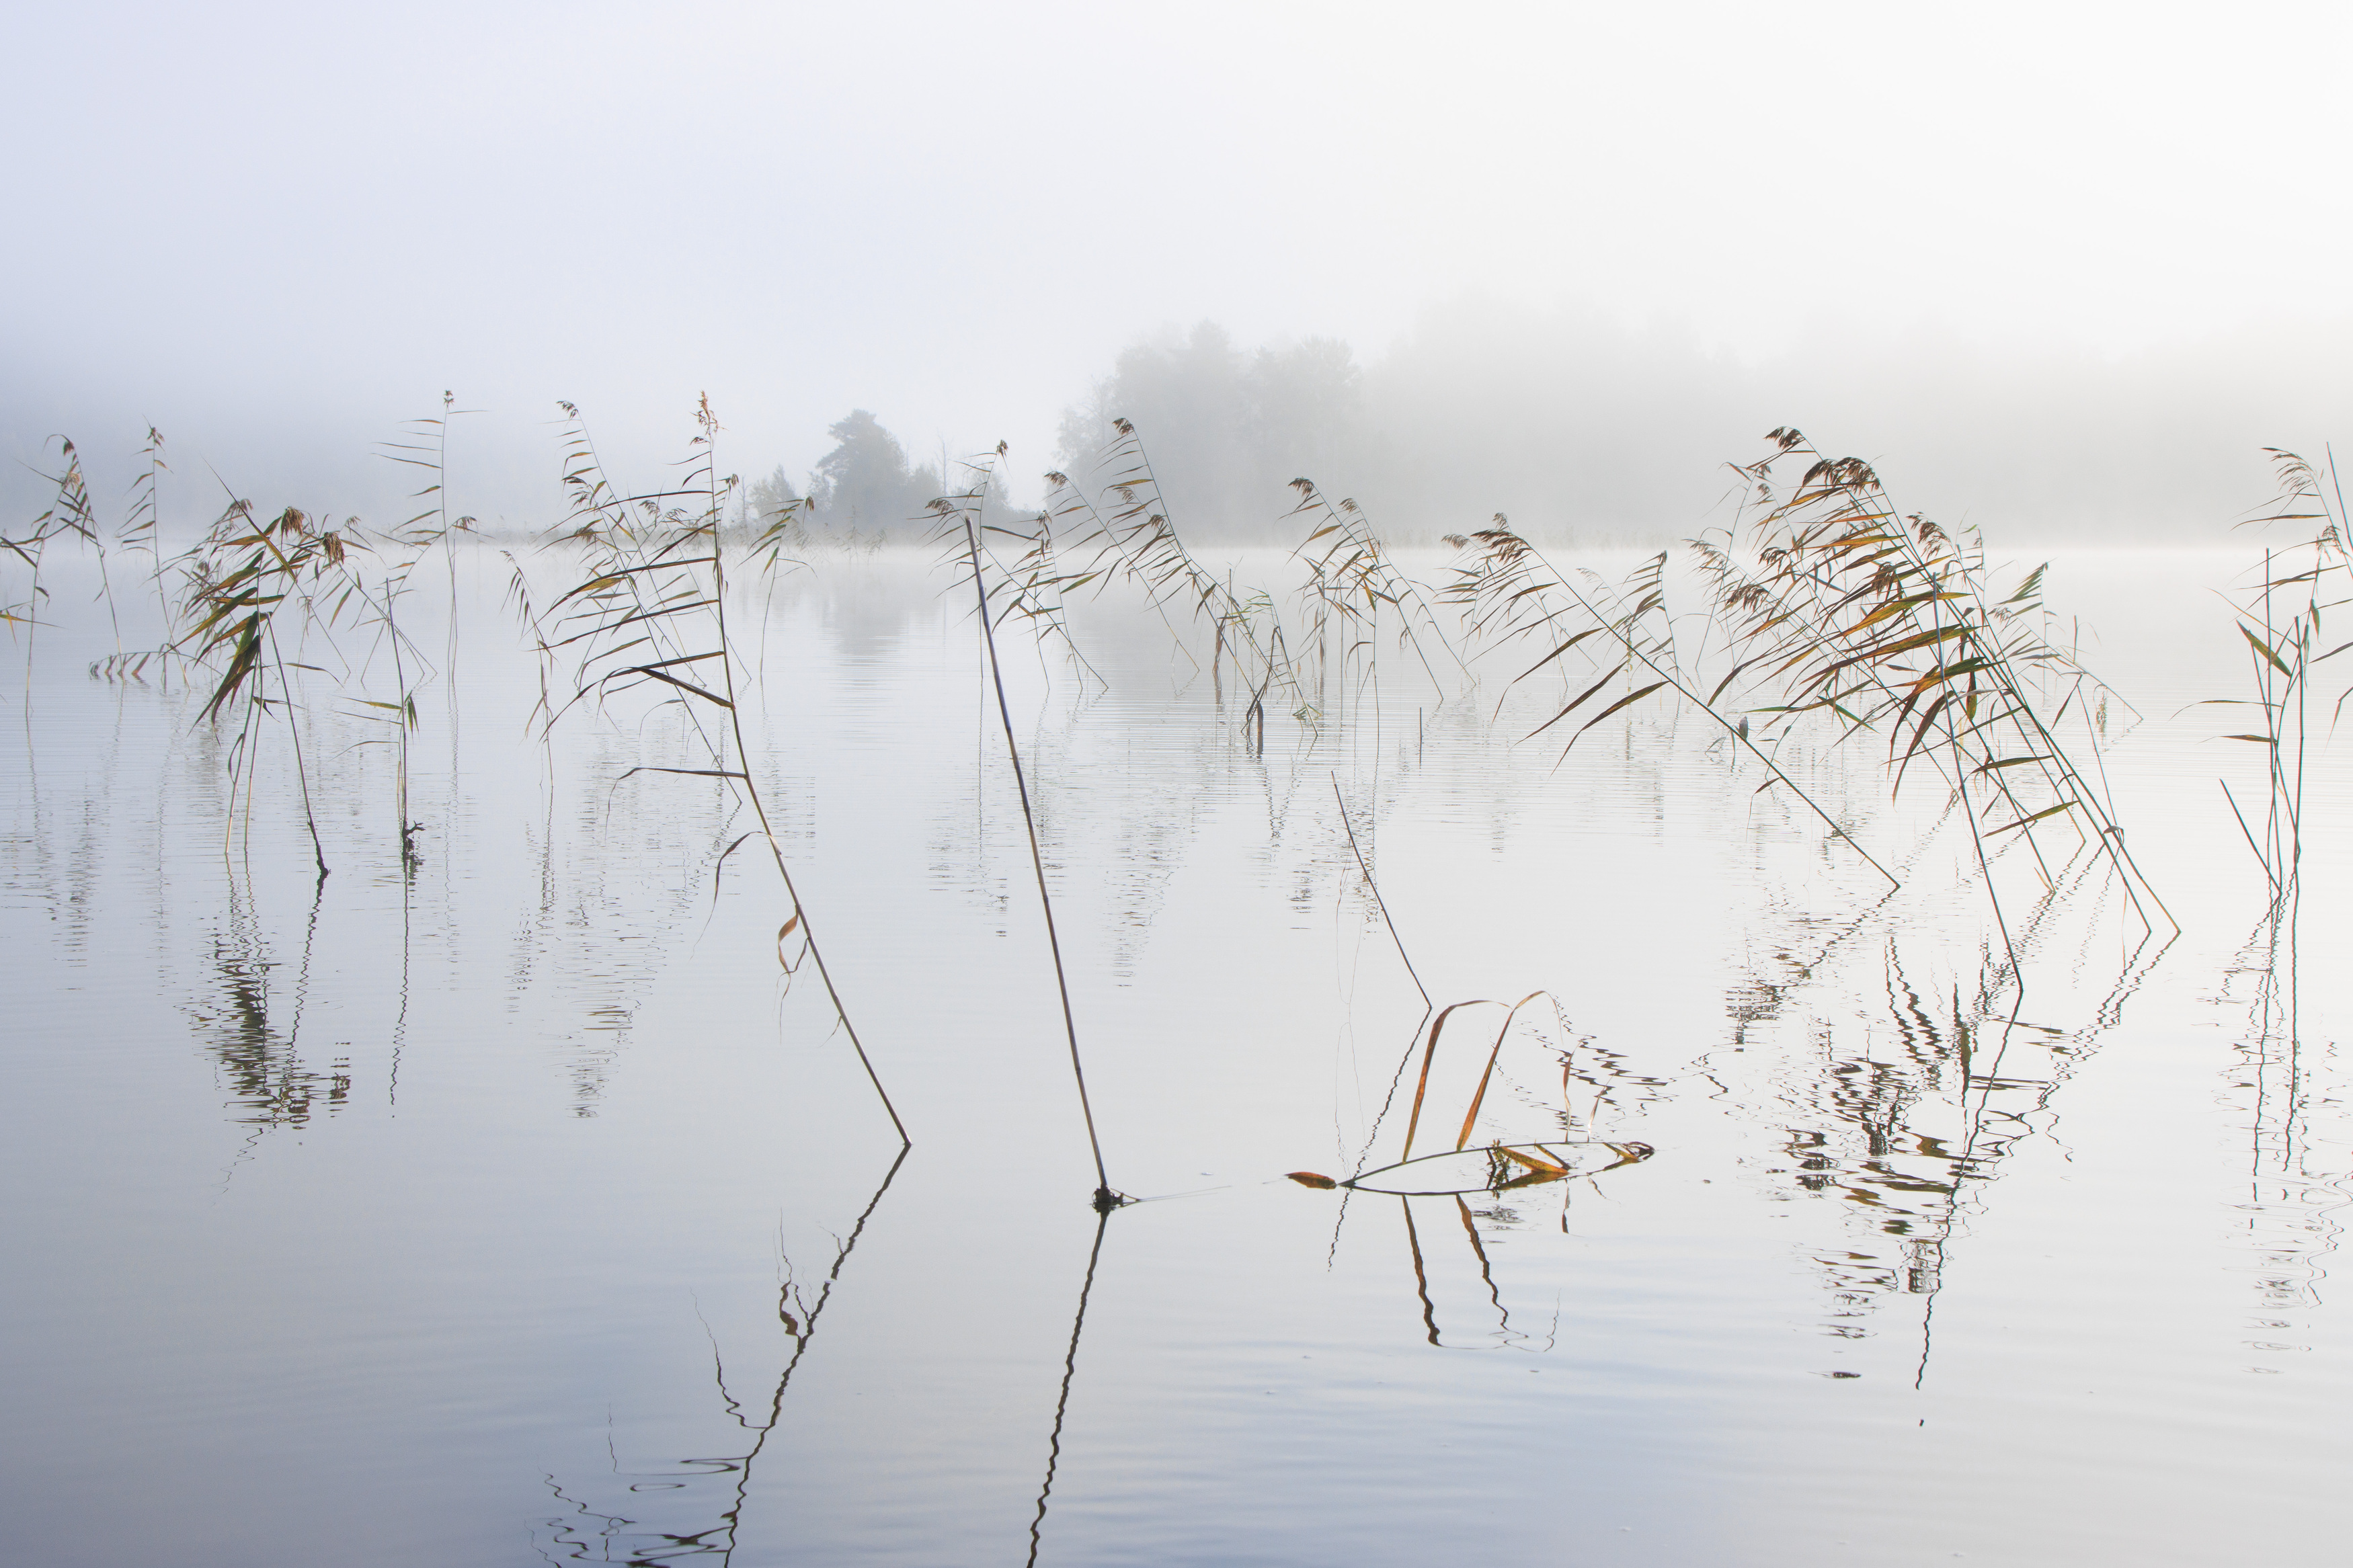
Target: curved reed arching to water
(654,567)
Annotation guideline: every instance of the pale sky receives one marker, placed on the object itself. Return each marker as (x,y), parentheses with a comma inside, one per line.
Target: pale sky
(274,230)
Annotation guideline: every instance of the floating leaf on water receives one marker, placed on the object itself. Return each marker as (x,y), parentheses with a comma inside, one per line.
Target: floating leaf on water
(1491,1169)
(1536,1163)
(1310,1179)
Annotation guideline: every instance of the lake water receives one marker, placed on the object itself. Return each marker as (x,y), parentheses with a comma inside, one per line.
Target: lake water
(511,1208)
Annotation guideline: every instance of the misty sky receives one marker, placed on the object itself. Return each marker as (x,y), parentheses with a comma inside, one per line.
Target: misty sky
(275,230)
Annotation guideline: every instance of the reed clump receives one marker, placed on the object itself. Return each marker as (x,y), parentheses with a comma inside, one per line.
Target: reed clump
(1842,605)
(2281,617)
(1124,530)
(650,613)
(237,582)
(1824,605)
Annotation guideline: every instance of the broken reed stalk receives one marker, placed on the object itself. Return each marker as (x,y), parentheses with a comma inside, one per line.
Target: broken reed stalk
(1430,1054)
(966,509)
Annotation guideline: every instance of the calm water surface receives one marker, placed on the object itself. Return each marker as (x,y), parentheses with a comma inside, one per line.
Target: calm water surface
(513,1210)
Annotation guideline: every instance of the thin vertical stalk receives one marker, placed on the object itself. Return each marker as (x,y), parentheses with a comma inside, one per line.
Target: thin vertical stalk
(301,775)
(1105,1199)
(1070,1373)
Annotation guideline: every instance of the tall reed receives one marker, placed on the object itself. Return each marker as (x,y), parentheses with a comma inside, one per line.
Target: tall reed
(964,514)
(652,613)
(423,443)
(2281,617)
(1127,526)
(238,579)
(1351,579)
(1886,621)
(69,515)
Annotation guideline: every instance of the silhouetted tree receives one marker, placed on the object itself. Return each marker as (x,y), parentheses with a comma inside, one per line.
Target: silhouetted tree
(865,484)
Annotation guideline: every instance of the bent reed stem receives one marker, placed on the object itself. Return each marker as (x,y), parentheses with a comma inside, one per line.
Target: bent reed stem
(760,810)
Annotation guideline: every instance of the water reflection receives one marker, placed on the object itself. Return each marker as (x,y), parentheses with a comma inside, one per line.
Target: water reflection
(1070,1373)
(1903,1112)
(269,1083)
(709,1494)
(2289,1216)
(1909,1115)
(1503,1335)
(1869,1065)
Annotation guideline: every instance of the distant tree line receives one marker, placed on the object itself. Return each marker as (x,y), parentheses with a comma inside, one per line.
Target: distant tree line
(1226,430)
(1573,427)
(1584,428)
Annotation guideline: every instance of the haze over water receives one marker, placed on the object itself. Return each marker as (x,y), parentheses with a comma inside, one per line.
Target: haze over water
(496,1212)
(2052,270)
(513,1191)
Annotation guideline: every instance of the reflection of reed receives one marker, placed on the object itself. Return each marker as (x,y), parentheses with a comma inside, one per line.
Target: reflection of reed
(269,1082)
(2290,1207)
(1503,1335)
(718,1539)
(1905,1137)
(1069,1371)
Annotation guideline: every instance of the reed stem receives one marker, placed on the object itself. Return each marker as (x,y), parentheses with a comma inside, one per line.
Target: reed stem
(760,810)
(1106,1199)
